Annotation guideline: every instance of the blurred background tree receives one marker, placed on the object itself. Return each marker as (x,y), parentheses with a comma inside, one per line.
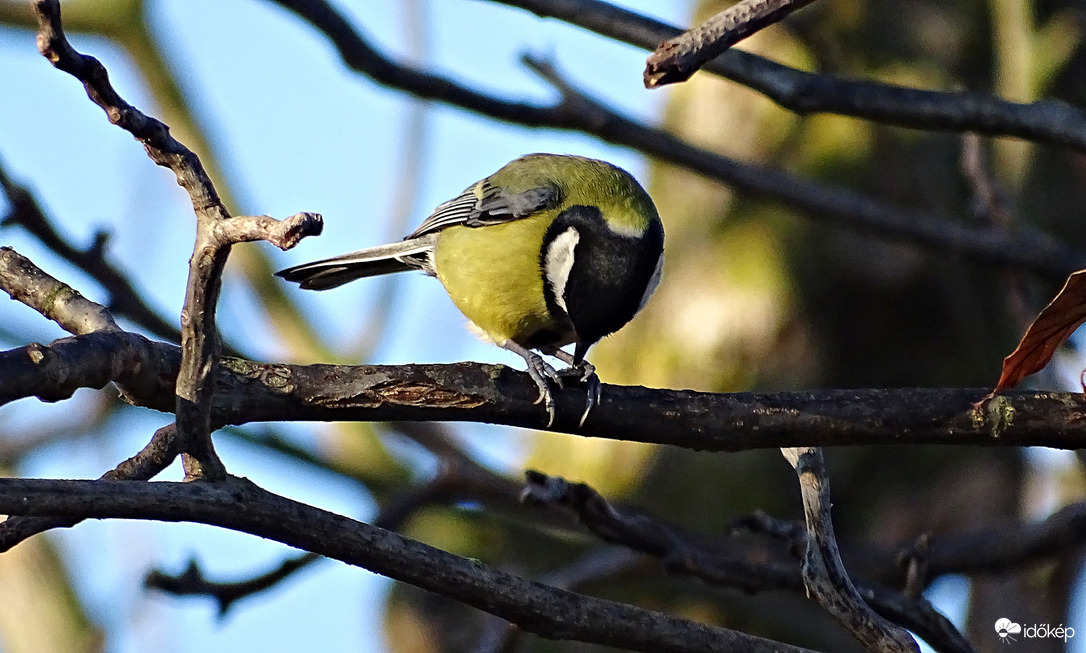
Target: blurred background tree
(756,295)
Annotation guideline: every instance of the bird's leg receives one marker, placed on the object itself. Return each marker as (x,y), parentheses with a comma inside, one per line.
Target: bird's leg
(541,372)
(587,372)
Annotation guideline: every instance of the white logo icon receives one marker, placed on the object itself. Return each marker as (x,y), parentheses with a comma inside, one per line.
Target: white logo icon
(1005,628)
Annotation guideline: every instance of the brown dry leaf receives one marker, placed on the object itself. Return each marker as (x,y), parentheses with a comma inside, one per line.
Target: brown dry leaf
(1052,326)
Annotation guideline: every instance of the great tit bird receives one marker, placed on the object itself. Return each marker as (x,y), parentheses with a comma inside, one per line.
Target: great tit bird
(548,251)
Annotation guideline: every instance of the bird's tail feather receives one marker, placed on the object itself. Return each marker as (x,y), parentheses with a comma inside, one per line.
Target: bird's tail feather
(412,254)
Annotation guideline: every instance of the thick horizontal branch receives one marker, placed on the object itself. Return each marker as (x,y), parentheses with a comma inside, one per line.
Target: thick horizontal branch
(1050,121)
(257,392)
(53,372)
(240,505)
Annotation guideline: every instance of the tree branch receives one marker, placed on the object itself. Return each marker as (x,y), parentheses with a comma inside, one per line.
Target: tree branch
(27,283)
(192,582)
(199,341)
(823,572)
(240,505)
(1047,121)
(750,568)
(259,392)
(679,57)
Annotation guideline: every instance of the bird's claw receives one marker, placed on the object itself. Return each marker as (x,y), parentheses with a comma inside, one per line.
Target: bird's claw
(586,373)
(585,370)
(595,391)
(542,373)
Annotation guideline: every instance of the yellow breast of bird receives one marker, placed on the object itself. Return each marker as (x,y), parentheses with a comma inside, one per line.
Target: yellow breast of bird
(493,275)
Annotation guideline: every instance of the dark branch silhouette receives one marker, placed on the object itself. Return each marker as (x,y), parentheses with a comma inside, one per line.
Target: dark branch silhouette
(1048,121)
(240,505)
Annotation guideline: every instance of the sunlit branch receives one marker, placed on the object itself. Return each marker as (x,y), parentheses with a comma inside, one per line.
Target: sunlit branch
(214,237)
(679,57)
(824,574)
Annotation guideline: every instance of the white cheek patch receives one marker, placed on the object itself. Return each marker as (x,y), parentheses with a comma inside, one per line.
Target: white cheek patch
(653,282)
(558,263)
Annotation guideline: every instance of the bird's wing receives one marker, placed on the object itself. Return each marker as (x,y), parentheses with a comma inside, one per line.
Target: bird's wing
(485,204)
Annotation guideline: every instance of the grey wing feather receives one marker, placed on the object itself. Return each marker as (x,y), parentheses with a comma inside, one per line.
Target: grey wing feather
(456,211)
(413,254)
(500,206)
(495,206)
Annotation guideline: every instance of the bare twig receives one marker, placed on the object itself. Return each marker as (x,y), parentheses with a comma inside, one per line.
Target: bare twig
(751,568)
(284,234)
(679,57)
(679,550)
(192,582)
(1050,121)
(124,299)
(823,572)
(239,505)
(214,237)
